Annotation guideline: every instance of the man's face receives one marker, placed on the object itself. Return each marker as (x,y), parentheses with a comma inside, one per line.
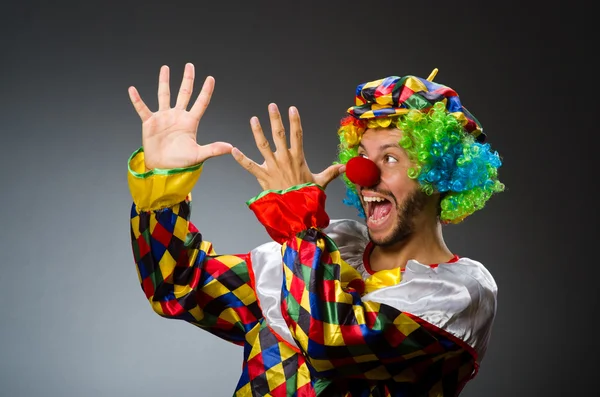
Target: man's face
(394,205)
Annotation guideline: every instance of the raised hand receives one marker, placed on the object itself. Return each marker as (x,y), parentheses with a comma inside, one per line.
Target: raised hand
(285,167)
(169,135)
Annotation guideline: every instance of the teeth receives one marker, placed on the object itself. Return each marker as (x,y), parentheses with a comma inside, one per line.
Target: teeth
(371,199)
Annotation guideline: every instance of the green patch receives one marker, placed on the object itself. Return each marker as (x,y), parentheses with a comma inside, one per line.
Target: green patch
(136,251)
(329,273)
(330,312)
(306,273)
(321,384)
(291,386)
(293,308)
(241,269)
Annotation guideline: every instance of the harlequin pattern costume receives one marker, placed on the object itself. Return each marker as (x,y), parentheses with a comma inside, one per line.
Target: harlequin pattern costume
(312,317)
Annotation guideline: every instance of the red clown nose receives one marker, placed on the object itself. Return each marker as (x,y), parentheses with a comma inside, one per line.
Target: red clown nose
(362,171)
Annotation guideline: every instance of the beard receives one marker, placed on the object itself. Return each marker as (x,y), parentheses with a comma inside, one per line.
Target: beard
(407,212)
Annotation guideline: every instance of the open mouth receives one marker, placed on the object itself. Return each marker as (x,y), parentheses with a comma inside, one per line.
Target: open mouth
(378,209)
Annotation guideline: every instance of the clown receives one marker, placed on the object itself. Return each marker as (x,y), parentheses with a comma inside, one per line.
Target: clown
(443,142)
(330,307)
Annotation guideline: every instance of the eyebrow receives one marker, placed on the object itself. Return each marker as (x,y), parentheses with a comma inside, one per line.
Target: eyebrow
(384,146)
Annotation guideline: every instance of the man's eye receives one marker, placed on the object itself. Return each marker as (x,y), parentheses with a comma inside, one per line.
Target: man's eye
(362,155)
(390,159)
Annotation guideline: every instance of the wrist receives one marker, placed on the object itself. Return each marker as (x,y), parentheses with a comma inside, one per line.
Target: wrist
(156,188)
(285,213)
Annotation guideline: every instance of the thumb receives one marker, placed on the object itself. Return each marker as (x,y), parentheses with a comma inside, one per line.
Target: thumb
(212,150)
(329,174)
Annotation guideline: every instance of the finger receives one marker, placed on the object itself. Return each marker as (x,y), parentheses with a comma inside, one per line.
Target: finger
(187,86)
(138,104)
(203,98)
(213,150)
(248,164)
(329,174)
(164,93)
(261,142)
(296,143)
(278,130)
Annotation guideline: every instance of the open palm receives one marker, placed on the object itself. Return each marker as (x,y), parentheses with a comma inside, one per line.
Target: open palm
(169,135)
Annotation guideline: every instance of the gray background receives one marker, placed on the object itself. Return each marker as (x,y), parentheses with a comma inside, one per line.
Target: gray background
(74,321)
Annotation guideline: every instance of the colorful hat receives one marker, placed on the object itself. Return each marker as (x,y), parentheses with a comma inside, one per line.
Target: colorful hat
(394,96)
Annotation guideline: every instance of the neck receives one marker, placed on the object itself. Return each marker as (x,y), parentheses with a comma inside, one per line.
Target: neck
(426,245)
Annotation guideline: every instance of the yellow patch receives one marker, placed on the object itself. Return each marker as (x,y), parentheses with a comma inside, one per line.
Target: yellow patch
(415,84)
(275,376)
(167,264)
(332,335)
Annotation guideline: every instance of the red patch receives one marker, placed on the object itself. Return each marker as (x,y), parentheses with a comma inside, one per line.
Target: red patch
(215,268)
(148,287)
(327,292)
(279,391)
(297,288)
(256,366)
(143,247)
(448,92)
(405,93)
(352,335)
(394,336)
(370,318)
(161,235)
(172,307)
(306,391)
(316,331)
(307,253)
(245,315)
(223,325)
(285,215)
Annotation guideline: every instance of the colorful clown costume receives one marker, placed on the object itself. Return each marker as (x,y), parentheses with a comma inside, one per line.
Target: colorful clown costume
(312,317)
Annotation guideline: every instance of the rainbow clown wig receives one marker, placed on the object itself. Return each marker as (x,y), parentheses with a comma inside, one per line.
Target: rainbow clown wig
(444,142)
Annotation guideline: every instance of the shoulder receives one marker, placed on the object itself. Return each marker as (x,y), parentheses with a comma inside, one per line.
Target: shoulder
(351,238)
(457,297)
(349,229)
(472,271)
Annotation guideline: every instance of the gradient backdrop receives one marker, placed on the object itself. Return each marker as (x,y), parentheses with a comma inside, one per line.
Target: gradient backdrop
(74,321)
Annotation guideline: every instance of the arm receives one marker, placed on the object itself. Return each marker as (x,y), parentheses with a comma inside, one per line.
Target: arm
(180,274)
(342,335)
